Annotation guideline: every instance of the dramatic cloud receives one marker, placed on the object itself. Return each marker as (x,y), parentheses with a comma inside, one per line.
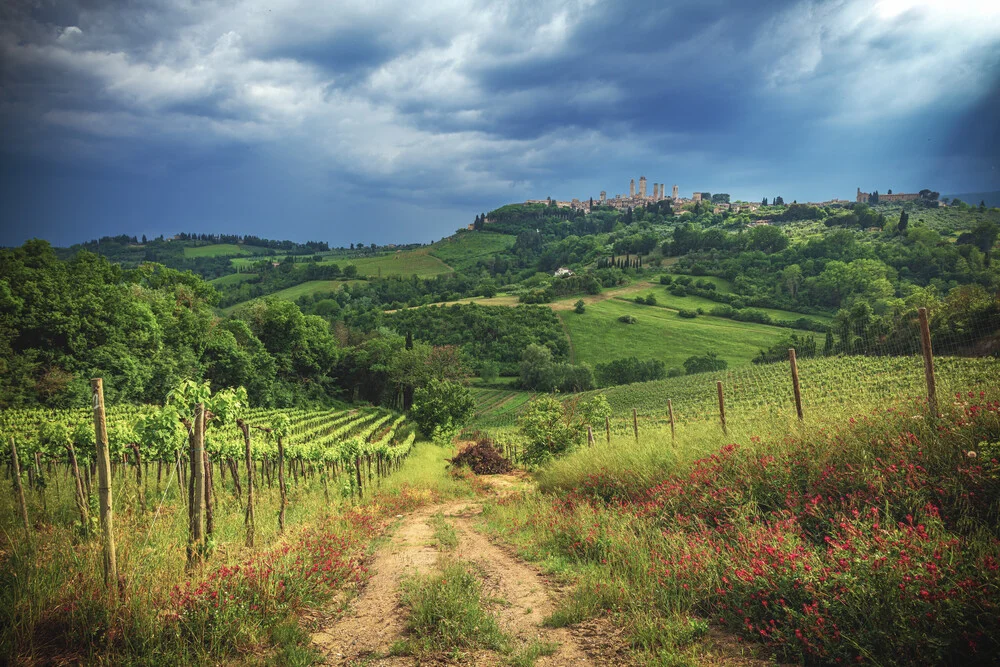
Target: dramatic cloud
(284,118)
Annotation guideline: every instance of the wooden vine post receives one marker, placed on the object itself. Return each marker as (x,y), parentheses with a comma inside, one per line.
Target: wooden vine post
(925,345)
(104,484)
(81,499)
(196,538)
(249,517)
(607,428)
(635,424)
(590,435)
(281,485)
(670,412)
(795,382)
(722,407)
(20,488)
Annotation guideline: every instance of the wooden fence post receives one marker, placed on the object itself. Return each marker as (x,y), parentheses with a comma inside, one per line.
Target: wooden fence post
(670,411)
(607,428)
(281,485)
(196,538)
(635,424)
(590,435)
(722,407)
(19,486)
(249,517)
(925,345)
(104,485)
(795,381)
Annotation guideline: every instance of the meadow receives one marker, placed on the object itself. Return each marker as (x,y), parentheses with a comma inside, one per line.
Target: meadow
(465,249)
(598,336)
(866,535)
(222,250)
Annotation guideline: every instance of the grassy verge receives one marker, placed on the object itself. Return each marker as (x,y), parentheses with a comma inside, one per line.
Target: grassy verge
(867,538)
(242,604)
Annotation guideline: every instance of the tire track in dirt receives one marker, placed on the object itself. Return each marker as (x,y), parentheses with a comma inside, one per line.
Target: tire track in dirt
(374,621)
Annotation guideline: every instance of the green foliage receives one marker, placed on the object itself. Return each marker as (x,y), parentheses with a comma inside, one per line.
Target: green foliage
(628,319)
(705,363)
(547,429)
(579,307)
(541,373)
(630,369)
(686,313)
(442,407)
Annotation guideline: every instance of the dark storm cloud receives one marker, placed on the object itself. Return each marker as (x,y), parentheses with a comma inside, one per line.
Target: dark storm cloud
(262,115)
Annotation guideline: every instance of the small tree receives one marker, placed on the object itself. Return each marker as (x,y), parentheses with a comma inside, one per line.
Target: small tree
(489,371)
(579,307)
(546,429)
(441,408)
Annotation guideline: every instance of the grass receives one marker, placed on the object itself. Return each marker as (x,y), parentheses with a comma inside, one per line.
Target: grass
(221,250)
(817,541)
(444,533)
(404,263)
(447,613)
(232,279)
(465,249)
(597,336)
(665,299)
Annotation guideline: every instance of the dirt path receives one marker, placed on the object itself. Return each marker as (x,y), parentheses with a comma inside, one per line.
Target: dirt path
(374,621)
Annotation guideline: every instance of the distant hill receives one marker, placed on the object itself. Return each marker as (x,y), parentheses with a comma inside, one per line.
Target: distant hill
(991,198)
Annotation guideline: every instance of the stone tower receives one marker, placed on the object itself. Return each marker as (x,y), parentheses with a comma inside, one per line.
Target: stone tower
(631,189)
(604,196)
(657,191)
(642,187)
(675,192)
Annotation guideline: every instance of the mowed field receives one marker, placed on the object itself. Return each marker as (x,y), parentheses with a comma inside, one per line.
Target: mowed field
(597,336)
(691,302)
(465,249)
(294,292)
(232,279)
(222,250)
(403,263)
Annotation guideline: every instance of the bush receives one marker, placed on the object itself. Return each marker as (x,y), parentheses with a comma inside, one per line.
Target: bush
(579,307)
(627,319)
(440,408)
(489,371)
(651,300)
(677,290)
(666,280)
(674,372)
(705,363)
(690,314)
(546,430)
(626,371)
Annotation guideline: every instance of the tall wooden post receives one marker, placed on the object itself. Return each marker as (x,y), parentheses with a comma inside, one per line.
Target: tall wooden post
(81,499)
(670,411)
(590,435)
(635,424)
(722,407)
(104,485)
(925,345)
(249,517)
(281,485)
(607,428)
(795,382)
(20,488)
(196,537)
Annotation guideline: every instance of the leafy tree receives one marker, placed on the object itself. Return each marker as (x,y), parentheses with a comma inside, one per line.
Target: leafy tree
(350,271)
(778,201)
(547,429)
(579,307)
(441,408)
(904,221)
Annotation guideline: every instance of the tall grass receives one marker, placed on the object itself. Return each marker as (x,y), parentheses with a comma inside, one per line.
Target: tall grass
(52,601)
(868,537)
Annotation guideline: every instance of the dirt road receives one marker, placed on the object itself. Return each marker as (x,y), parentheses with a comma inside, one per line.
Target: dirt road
(374,620)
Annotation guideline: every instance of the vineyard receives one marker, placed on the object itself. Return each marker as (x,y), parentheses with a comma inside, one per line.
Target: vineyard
(756,392)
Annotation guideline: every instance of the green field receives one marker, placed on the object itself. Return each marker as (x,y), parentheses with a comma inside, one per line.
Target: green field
(404,263)
(294,292)
(597,336)
(465,249)
(691,302)
(222,250)
(232,279)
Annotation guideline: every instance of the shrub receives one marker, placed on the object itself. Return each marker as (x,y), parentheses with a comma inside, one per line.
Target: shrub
(489,371)
(651,300)
(440,408)
(546,430)
(579,307)
(626,371)
(627,319)
(704,364)
(666,279)
(690,314)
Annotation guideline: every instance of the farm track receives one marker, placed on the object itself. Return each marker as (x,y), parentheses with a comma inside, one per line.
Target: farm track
(374,621)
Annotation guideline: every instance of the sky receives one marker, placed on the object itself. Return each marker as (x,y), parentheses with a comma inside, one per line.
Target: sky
(385,121)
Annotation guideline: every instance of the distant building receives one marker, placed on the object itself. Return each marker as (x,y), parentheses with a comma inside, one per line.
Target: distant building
(563,272)
(862,197)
